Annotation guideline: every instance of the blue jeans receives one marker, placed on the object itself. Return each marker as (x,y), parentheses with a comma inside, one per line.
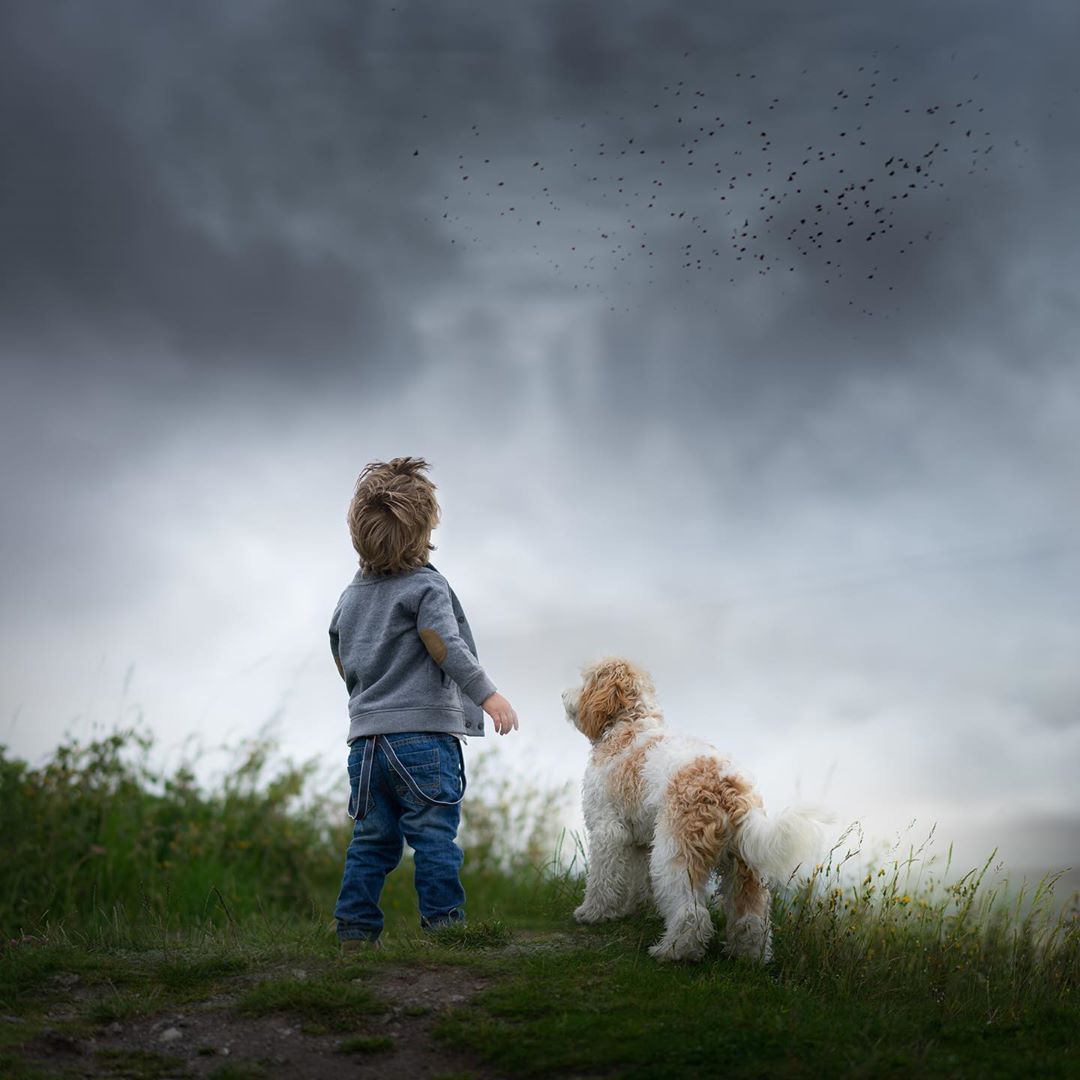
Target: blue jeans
(396,814)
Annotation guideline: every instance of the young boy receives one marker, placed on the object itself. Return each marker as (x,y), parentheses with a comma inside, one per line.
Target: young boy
(404,648)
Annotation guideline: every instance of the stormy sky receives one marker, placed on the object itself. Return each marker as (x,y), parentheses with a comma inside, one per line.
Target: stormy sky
(741,337)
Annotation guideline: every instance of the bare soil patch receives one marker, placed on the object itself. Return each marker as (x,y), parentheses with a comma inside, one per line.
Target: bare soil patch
(210,1037)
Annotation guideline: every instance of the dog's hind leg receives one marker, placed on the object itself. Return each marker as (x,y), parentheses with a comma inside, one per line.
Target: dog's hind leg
(679,891)
(746,907)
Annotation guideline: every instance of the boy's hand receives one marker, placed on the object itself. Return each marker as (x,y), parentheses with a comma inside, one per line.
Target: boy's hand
(502,712)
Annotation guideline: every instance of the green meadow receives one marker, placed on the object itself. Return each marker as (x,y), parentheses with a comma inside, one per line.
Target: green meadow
(154,927)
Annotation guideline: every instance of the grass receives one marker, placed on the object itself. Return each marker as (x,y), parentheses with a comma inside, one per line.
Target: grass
(99,841)
(140,1065)
(894,970)
(607,1008)
(365,1044)
(882,967)
(119,1005)
(490,934)
(334,1001)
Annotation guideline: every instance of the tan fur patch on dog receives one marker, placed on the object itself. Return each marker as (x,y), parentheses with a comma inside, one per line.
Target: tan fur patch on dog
(613,743)
(626,780)
(609,692)
(705,805)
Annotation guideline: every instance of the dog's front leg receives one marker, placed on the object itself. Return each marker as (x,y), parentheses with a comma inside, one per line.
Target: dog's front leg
(605,881)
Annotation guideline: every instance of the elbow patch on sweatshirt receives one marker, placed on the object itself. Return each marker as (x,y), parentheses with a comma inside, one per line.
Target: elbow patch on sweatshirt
(434,645)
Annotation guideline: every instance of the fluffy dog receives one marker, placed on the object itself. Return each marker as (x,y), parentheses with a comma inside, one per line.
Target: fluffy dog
(664,812)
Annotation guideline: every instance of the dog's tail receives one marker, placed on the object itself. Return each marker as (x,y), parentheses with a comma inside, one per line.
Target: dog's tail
(776,847)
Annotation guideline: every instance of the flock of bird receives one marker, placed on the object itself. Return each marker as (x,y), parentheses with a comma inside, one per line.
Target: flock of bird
(697,181)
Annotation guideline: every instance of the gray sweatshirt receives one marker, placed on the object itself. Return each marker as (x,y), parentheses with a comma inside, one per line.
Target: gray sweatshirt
(407,655)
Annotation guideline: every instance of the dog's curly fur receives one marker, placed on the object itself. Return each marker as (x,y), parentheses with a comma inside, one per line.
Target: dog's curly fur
(664,812)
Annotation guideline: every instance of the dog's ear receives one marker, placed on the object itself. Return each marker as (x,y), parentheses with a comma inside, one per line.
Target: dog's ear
(608,692)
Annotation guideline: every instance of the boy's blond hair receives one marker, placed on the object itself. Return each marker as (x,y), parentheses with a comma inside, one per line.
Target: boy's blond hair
(392,513)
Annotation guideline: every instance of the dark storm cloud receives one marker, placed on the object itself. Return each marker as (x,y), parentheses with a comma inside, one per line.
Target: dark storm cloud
(101,238)
(261,185)
(274,190)
(934,109)
(962,271)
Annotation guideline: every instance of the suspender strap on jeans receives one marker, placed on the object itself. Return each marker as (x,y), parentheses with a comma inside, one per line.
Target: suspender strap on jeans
(371,743)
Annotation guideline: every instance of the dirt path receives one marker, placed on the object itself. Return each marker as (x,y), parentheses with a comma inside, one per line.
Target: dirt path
(211,1037)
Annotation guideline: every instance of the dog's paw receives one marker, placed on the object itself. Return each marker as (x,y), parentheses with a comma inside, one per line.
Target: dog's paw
(677,952)
(667,952)
(586,914)
(749,938)
(751,954)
